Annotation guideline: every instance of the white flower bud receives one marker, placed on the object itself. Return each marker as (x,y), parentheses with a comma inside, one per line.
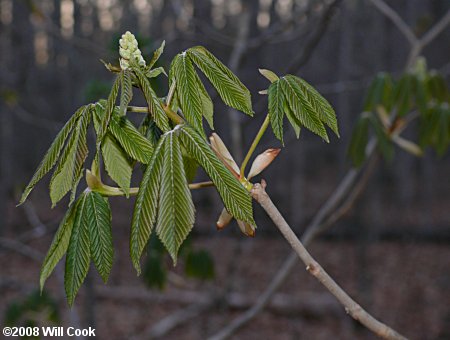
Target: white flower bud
(129,50)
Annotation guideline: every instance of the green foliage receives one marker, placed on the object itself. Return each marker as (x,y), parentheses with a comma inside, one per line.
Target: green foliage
(154,273)
(98,220)
(126,92)
(52,155)
(229,87)
(380,93)
(90,239)
(176,210)
(435,128)
(200,265)
(153,102)
(187,93)
(145,207)
(236,199)
(34,310)
(358,142)
(59,245)
(170,144)
(390,102)
(70,166)
(303,106)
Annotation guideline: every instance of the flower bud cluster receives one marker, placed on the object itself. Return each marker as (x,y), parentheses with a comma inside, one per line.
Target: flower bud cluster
(128,50)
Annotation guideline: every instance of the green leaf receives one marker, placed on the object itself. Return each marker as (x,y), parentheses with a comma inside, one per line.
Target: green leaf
(276,109)
(59,245)
(158,52)
(301,109)
(156,72)
(295,123)
(358,142)
(135,145)
(313,99)
(420,94)
(125,133)
(176,213)
(117,164)
(98,220)
(187,93)
(437,87)
(78,253)
(190,167)
(269,75)
(236,199)
(199,264)
(383,140)
(403,94)
(126,91)
(52,155)
(207,104)
(110,105)
(379,93)
(70,166)
(229,87)
(154,273)
(145,207)
(153,102)
(435,128)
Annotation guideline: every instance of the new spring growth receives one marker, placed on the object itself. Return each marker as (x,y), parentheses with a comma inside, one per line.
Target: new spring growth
(128,50)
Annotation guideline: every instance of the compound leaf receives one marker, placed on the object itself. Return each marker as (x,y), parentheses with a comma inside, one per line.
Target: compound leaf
(313,99)
(302,110)
(229,87)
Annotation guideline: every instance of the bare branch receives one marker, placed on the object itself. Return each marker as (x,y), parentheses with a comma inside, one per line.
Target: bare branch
(314,268)
(396,20)
(428,38)
(172,321)
(315,38)
(436,30)
(316,226)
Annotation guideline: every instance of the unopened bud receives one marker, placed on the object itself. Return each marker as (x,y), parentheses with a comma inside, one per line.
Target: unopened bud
(262,161)
(221,150)
(224,219)
(247,228)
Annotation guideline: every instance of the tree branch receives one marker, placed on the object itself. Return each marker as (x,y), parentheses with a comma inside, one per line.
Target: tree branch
(314,268)
(396,20)
(312,230)
(315,38)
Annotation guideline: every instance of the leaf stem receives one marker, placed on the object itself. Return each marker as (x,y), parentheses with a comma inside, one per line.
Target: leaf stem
(171,93)
(255,143)
(138,109)
(110,191)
